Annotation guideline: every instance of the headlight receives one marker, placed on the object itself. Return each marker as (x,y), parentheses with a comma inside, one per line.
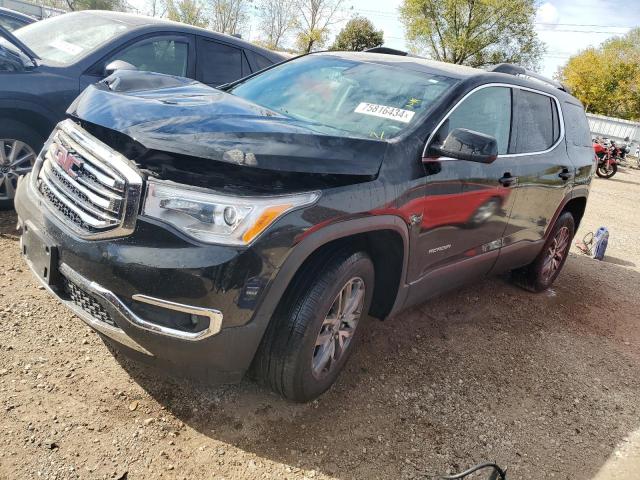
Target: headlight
(218,218)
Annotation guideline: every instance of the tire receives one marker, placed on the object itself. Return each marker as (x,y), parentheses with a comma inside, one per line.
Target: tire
(290,357)
(536,277)
(602,173)
(13,133)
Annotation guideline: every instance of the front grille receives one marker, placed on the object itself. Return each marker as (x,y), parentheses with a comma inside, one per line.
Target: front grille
(91,188)
(87,302)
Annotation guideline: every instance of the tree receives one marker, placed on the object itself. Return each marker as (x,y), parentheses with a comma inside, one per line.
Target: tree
(607,79)
(474,32)
(62,4)
(276,19)
(358,34)
(156,8)
(229,16)
(186,11)
(315,18)
(114,5)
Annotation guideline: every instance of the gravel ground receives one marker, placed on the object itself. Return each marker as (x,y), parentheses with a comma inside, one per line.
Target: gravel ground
(545,384)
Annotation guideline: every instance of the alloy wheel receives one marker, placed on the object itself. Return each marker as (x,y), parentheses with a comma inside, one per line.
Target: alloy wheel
(16,158)
(338,328)
(556,252)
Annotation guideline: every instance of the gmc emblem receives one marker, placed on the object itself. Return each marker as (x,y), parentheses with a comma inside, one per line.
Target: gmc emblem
(67,161)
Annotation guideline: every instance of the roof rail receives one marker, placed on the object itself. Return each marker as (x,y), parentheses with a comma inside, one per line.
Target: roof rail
(388,51)
(519,71)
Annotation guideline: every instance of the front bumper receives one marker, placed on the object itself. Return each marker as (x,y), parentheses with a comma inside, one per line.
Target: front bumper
(115,286)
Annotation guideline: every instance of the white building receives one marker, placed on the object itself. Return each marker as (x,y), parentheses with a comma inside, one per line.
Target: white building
(27,8)
(615,128)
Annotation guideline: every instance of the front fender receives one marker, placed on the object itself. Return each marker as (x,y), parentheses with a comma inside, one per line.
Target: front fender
(29,105)
(311,243)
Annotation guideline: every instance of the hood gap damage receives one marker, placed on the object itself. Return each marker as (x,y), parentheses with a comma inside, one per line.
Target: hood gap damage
(218,175)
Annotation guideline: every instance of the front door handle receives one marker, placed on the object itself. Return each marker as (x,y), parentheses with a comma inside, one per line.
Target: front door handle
(507,179)
(565,174)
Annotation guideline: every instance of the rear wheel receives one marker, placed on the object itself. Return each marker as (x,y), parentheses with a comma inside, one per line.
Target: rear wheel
(606,171)
(19,145)
(541,273)
(314,331)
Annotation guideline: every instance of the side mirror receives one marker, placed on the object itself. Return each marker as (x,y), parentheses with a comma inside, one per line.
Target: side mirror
(117,65)
(464,144)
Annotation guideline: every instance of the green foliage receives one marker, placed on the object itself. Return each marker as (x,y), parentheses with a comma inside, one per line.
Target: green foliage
(186,11)
(229,16)
(474,32)
(314,19)
(306,40)
(357,35)
(607,79)
(114,5)
(276,19)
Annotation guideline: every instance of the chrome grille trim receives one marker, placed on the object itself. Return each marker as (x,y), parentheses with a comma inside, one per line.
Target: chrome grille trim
(99,200)
(60,202)
(96,193)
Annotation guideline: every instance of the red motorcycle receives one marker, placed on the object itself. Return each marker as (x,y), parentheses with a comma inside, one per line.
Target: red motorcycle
(607,164)
(620,152)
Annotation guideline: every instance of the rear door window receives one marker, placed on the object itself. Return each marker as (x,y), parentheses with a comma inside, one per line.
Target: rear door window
(538,126)
(487,111)
(218,63)
(262,62)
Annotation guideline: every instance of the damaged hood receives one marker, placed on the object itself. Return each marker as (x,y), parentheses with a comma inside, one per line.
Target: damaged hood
(181,116)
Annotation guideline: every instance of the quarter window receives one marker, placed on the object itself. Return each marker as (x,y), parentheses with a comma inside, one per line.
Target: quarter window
(538,125)
(486,111)
(160,56)
(577,125)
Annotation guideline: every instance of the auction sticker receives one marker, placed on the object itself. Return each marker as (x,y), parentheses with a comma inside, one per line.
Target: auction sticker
(392,113)
(66,47)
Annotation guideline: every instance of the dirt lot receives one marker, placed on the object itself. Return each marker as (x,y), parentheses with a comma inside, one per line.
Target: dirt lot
(547,385)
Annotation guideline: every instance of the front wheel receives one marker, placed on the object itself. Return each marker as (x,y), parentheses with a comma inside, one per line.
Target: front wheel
(19,145)
(541,273)
(606,171)
(314,331)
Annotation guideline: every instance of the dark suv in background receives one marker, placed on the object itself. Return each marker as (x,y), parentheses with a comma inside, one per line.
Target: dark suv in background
(44,66)
(253,229)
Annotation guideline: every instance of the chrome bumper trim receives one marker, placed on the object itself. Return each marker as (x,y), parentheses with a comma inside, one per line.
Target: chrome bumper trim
(114,333)
(126,313)
(215,318)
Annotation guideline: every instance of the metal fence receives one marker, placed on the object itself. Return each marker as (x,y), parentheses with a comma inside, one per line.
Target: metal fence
(27,8)
(614,128)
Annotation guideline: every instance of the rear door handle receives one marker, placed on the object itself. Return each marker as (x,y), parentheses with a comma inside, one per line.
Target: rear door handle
(507,179)
(565,174)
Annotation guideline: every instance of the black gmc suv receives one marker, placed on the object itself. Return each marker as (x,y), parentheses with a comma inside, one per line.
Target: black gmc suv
(253,228)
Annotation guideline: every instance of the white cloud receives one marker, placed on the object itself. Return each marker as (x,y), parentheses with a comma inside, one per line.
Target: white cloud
(547,14)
